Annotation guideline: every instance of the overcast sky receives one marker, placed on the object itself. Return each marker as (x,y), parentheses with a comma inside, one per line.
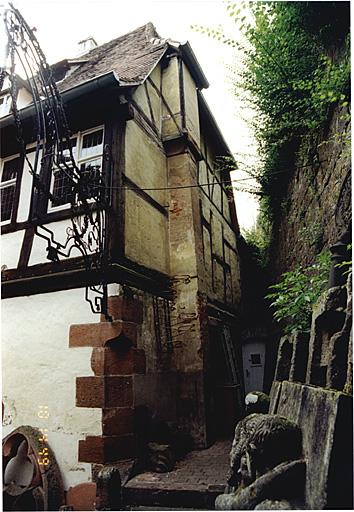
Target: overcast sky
(61,24)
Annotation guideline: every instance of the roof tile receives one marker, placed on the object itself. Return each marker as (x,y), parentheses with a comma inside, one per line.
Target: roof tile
(131,57)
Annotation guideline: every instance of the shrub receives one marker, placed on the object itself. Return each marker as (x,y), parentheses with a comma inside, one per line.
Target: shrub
(295,295)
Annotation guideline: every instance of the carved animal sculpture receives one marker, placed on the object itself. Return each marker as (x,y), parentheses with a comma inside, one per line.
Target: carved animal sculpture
(243,430)
(265,463)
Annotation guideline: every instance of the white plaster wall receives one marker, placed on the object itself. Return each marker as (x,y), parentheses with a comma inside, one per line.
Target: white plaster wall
(39,369)
(39,248)
(11,244)
(24,98)
(26,189)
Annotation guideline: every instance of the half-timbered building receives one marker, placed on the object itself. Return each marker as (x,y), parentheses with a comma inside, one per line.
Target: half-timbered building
(137,115)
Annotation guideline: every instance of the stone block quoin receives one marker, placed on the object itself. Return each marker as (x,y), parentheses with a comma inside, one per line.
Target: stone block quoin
(122,308)
(103,333)
(117,361)
(103,392)
(105,449)
(114,361)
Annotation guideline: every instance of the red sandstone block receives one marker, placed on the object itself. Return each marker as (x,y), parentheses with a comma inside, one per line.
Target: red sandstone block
(118,421)
(112,391)
(103,449)
(118,391)
(82,496)
(108,361)
(122,308)
(90,392)
(99,334)
(91,449)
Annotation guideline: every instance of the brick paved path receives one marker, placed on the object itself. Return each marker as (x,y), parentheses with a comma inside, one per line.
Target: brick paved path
(194,483)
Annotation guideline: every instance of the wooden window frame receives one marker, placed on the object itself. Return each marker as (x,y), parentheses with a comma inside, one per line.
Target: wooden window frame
(16,182)
(79,136)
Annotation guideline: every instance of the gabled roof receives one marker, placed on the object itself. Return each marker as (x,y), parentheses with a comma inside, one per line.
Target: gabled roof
(131,57)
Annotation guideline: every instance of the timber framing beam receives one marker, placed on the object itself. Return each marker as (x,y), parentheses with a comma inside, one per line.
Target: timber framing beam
(64,275)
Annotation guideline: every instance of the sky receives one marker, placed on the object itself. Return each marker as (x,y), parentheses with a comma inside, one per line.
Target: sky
(62,24)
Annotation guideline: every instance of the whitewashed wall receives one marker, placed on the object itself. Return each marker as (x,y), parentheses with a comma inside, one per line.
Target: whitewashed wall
(39,369)
(11,244)
(26,189)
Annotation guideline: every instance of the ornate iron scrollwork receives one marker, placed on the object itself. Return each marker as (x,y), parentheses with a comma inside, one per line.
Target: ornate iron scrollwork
(87,191)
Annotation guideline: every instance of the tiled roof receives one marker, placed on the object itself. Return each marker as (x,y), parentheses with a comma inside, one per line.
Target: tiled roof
(131,57)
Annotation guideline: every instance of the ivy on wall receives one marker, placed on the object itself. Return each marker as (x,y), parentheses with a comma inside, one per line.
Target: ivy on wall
(294,74)
(295,69)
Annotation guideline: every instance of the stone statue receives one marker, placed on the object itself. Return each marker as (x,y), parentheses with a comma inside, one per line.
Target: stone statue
(257,401)
(267,470)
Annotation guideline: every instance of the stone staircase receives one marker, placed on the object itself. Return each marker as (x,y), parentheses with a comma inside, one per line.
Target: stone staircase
(194,483)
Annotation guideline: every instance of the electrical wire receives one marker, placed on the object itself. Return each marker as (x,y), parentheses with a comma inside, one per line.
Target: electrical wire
(212,184)
(229,182)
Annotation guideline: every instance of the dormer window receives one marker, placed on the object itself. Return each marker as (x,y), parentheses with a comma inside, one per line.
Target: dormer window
(87,148)
(9,175)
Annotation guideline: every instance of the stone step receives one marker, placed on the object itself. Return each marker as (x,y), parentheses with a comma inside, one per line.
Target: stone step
(163,497)
(158,508)
(193,484)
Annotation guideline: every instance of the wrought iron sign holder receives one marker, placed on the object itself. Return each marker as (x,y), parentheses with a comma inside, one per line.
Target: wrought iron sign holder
(89,198)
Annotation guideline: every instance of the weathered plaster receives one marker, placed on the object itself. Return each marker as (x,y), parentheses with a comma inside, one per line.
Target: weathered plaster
(39,369)
(145,234)
(191,105)
(170,91)
(145,164)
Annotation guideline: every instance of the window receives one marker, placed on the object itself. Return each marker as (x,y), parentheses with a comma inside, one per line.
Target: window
(256,359)
(61,189)
(9,174)
(87,150)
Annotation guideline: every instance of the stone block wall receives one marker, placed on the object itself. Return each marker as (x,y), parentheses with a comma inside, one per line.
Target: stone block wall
(308,220)
(115,361)
(323,356)
(313,388)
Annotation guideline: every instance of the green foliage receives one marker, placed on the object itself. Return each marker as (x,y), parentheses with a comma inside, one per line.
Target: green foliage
(257,238)
(347,265)
(312,234)
(292,82)
(294,296)
(296,67)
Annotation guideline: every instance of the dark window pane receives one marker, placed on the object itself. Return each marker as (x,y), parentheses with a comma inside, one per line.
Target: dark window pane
(10,169)
(62,189)
(256,359)
(91,172)
(7,202)
(91,144)
(92,139)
